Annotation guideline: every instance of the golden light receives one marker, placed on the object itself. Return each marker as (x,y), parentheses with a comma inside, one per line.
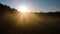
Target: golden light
(22,9)
(26,18)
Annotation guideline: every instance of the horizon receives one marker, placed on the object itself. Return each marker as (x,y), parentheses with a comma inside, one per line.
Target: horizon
(34,5)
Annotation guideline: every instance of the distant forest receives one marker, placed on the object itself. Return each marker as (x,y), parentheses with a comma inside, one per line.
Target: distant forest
(5,8)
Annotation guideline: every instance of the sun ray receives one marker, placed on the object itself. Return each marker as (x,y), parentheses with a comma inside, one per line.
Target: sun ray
(23,9)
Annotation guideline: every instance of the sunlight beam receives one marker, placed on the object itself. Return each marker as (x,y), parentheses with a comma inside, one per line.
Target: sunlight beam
(22,9)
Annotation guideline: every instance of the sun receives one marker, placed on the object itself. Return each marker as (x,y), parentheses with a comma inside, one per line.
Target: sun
(22,9)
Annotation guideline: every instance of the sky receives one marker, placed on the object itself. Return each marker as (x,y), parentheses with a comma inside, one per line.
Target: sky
(34,5)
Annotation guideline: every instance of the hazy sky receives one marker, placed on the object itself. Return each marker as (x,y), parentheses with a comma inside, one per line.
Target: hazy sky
(34,5)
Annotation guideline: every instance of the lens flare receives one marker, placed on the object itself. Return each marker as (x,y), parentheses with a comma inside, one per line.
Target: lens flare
(22,9)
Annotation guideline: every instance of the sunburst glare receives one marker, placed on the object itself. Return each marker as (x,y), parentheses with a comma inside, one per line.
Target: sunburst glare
(22,9)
